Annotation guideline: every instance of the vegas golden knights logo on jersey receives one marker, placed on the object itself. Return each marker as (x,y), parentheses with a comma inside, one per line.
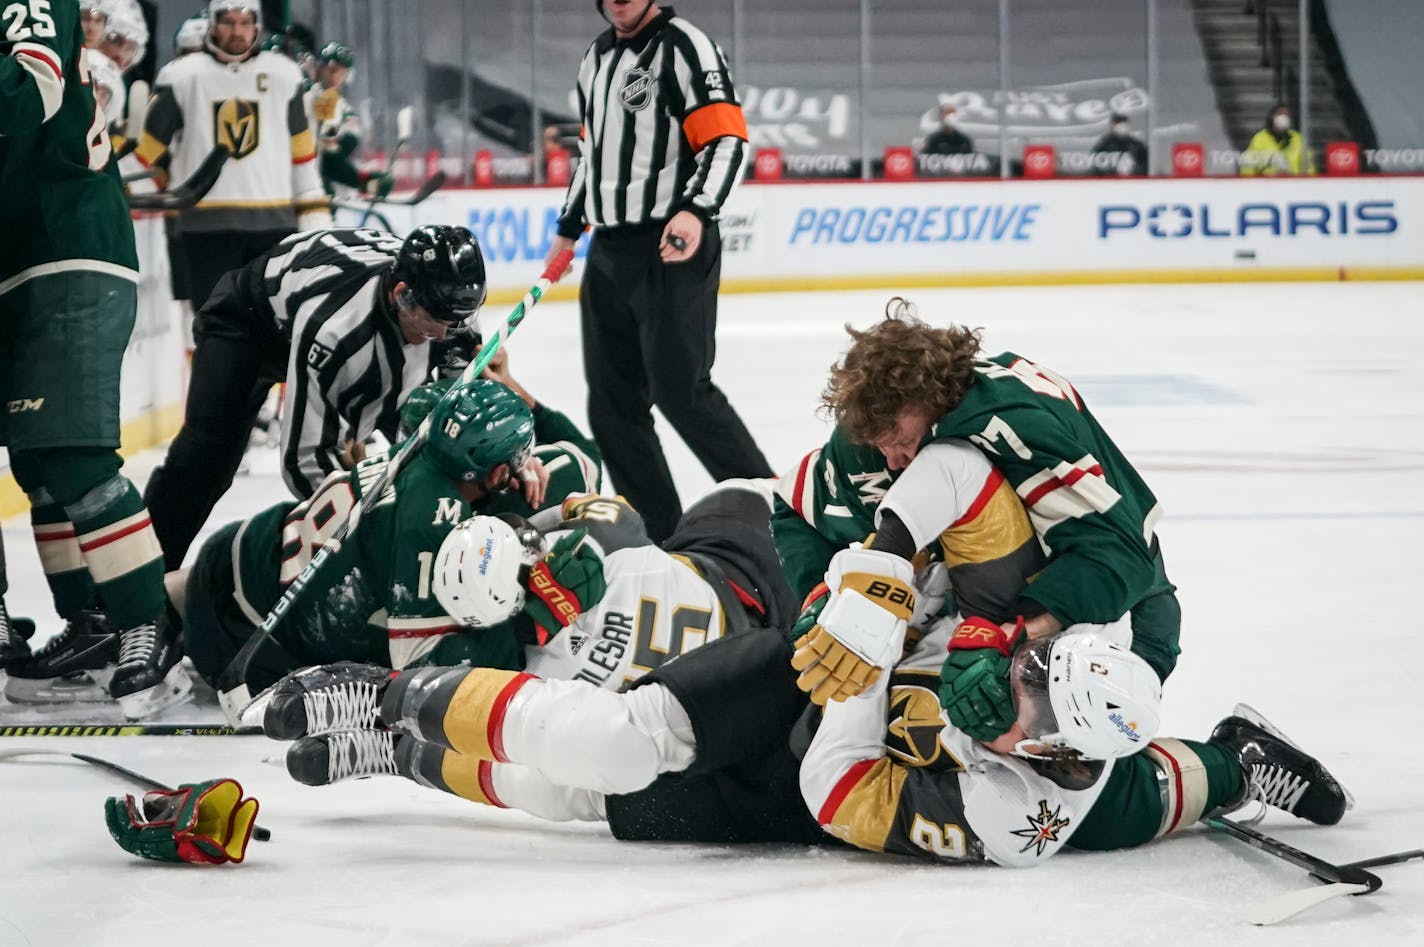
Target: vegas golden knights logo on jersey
(235,126)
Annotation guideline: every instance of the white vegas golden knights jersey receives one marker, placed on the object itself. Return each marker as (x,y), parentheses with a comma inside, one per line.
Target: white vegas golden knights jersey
(656,606)
(255,109)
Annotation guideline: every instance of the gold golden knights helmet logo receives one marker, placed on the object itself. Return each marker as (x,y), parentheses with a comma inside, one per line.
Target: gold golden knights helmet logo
(235,126)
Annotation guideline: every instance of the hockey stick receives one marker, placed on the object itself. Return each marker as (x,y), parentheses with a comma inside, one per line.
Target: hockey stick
(1341,879)
(190,191)
(258,832)
(405,121)
(367,206)
(126,730)
(233,693)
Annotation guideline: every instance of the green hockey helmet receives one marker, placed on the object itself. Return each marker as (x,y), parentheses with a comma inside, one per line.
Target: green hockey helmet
(420,403)
(476,427)
(339,53)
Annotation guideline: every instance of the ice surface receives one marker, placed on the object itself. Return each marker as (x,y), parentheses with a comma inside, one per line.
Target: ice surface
(1282,426)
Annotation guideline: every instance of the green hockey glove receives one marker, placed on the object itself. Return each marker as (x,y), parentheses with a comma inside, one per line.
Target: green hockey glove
(974,680)
(810,611)
(564,584)
(205,823)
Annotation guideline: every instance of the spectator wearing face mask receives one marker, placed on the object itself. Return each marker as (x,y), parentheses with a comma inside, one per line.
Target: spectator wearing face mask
(1119,151)
(947,139)
(1277,149)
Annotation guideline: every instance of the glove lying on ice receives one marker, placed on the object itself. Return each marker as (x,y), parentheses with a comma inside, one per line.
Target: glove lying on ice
(860,628)
(206,823)
(564,584)
(974,680)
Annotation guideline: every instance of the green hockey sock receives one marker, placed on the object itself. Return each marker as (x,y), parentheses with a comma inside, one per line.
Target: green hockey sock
(1168,786)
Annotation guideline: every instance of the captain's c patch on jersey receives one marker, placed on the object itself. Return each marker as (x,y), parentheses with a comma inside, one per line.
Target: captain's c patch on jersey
(235,126)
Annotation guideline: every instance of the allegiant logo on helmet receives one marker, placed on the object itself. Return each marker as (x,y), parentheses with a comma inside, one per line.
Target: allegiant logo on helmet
(486,553)
(1129,730)
(1285,219)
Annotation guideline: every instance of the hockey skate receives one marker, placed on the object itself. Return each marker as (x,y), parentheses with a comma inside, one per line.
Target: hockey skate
(72,667)
(317,700)
(149,676)
(347,754)
(1279,773)
(14,638)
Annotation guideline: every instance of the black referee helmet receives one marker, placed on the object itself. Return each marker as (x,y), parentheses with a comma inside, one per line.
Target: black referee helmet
(445,270)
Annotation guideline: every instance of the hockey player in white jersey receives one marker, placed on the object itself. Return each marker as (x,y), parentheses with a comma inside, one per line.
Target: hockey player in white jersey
(699,748)
(249,101)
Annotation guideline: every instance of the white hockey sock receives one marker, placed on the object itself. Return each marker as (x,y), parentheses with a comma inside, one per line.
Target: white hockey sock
(519,787)
(577,735)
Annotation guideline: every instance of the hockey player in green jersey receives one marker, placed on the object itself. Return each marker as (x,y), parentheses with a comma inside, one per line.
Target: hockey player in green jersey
(488,452)
(337,127)
(68,298)
(904,385)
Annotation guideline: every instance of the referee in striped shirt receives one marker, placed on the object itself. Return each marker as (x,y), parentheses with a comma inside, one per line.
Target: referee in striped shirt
(351,320)
(663,143)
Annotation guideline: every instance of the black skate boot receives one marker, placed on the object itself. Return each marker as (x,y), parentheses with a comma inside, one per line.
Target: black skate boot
(347,754)
(1278,772)
(73,666)
(316,700)
(149,676)
(14,638)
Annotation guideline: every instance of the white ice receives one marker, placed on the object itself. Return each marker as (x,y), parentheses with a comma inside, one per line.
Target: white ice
(1282,426)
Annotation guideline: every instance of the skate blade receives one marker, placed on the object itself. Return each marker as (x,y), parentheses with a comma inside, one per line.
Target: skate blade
(84,687)
(174,688)
(1247,712)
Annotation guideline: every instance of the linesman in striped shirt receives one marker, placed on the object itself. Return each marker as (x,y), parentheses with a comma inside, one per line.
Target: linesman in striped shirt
(352,320)
(663,143)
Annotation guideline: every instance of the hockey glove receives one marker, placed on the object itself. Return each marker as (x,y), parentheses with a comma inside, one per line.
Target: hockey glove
(810,611)
(974,680)
(564,584)
(861,630)
(378,186)
(205,823)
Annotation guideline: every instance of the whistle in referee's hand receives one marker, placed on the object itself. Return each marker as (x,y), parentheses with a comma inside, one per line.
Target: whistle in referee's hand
(676,242)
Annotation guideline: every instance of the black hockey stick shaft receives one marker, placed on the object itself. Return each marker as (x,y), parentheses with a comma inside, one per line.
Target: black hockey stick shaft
(190,191)
(1318,867)
(233,693)
(258,832)
(1394,859)
(404,120)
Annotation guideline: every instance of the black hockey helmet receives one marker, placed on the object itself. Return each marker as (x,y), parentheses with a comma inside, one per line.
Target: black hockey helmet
(445,270)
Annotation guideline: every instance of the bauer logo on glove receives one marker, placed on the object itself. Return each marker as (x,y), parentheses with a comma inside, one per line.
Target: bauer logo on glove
(205,823)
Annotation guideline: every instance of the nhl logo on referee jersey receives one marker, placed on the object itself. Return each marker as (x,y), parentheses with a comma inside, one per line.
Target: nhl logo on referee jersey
(637,91)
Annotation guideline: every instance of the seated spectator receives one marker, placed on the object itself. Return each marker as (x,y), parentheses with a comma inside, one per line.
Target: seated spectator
(1119,152)
(1277,149)
(947,140)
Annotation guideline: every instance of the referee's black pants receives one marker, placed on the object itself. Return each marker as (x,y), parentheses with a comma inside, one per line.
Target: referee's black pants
(649,339)
(231,374)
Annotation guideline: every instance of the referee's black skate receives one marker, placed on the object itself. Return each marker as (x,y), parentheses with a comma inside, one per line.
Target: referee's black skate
(315,700)
(72,667)
(15,636)
(149,676)
(1278,772)
(350,754)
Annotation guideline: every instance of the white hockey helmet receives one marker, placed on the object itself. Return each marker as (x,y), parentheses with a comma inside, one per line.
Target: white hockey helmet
(108,85)
(1080,692)
(215,10)
(125,38)
(481,569)
(191,34)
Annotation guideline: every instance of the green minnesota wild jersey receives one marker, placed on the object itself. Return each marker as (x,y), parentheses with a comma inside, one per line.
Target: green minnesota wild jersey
(825,503)
(1091,510)
(63,206)
(372,601)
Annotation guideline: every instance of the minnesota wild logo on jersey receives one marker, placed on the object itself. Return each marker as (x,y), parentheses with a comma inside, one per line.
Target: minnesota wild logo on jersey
(237,126)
